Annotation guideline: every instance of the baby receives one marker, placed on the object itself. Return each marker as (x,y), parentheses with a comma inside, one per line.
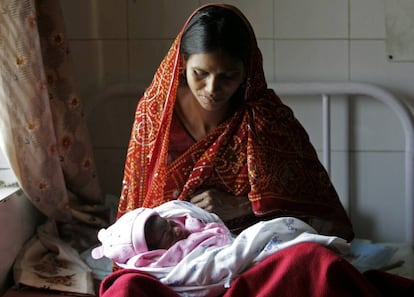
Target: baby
(142,238)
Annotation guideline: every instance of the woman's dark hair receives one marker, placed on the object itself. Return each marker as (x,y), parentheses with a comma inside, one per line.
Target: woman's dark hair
(216,28)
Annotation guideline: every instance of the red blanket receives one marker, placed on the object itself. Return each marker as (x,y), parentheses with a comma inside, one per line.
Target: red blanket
(306,269)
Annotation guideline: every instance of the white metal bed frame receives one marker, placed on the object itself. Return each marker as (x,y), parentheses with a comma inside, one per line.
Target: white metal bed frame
(326,90)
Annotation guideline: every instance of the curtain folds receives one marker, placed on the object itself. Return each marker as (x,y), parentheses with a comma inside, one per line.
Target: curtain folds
(42,124)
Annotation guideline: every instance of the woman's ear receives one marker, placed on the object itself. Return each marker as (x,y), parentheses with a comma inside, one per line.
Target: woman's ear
(182,66)
(182,71)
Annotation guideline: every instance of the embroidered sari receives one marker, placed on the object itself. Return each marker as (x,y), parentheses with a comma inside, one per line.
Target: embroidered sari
(261,151)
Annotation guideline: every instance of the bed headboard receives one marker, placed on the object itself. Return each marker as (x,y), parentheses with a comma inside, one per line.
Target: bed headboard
(110,117)
(326,90)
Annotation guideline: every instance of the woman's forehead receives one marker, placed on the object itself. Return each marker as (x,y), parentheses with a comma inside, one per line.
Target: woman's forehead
(215,60)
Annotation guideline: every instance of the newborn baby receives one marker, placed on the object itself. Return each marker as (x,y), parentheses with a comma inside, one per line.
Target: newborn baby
(142,237)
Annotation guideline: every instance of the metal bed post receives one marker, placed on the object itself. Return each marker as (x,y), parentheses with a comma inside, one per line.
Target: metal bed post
(403,113)
(326,130)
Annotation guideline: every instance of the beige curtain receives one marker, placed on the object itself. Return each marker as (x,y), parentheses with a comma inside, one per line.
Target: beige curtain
(42,122)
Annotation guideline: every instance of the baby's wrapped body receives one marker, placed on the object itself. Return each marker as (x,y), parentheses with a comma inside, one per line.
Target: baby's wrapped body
(210,258)
(174,238)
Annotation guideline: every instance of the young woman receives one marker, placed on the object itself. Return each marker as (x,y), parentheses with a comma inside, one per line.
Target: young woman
(207,130)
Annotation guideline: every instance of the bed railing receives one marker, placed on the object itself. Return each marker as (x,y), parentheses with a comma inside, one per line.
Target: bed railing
(326,90)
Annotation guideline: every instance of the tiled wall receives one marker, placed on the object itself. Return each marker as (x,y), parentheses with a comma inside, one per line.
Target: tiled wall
(124,41)
(300,40)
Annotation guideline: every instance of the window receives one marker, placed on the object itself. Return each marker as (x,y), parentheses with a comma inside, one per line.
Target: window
(8,181)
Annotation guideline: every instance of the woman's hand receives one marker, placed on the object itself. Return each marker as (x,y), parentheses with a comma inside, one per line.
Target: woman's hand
(223,204)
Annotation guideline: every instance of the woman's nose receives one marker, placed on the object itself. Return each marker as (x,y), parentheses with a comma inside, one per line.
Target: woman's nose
(212,85)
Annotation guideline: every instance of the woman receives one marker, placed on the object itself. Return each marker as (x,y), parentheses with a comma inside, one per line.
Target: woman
(208,131)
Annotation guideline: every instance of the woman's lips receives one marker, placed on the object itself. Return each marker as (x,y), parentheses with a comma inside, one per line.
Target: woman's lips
(211,99)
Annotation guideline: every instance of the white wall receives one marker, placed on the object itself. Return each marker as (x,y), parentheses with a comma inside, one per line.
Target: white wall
(300,40)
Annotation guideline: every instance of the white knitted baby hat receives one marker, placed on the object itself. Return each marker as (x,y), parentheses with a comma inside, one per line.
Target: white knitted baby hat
(125,238)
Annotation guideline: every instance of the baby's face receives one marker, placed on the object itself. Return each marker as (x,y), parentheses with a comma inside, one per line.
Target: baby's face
(161,233)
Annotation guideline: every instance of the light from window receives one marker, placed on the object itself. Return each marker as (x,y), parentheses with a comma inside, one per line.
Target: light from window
(8,180)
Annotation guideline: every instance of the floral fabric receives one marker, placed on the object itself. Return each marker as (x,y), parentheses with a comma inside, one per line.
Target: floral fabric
(43,129)
(60,270)
(45,138)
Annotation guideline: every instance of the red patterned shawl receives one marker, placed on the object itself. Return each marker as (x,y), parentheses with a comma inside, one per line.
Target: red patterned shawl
(261,151)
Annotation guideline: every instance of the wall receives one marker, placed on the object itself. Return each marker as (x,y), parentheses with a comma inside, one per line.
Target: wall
(300,40)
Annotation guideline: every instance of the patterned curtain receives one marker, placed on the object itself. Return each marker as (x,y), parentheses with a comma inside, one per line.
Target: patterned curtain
(42,122)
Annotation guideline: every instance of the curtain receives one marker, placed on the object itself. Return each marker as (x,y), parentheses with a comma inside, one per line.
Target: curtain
(42,122)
